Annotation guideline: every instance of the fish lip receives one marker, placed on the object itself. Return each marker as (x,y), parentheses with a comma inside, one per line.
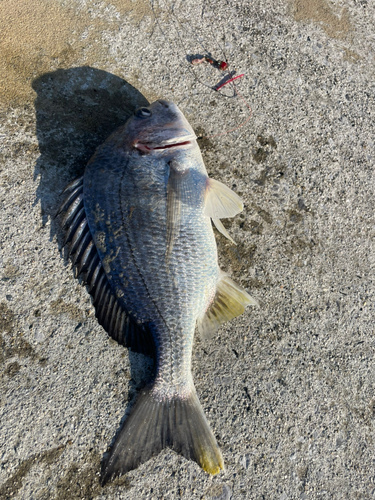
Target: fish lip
(175,142)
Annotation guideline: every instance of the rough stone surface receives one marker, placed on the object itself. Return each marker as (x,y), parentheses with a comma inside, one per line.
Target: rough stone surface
(288,387)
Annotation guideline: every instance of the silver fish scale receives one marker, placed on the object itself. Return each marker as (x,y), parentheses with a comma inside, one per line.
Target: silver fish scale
(126,206)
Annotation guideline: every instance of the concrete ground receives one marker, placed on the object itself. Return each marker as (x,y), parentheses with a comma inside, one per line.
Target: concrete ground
(289,387)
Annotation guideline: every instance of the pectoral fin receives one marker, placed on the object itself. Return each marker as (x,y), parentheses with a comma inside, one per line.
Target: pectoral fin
(229,302)
(221,202)
(176,193)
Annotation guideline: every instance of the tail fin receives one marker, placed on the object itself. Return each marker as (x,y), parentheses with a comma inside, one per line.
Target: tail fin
(176,423)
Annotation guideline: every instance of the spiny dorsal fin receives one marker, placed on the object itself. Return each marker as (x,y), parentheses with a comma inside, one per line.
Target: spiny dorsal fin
(229,302)
(111,314)
(221,202)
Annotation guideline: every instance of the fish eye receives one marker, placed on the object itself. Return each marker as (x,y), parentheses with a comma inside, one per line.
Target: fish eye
(142,113)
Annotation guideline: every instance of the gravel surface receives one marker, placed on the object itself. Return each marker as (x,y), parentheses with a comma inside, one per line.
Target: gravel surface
(288,387)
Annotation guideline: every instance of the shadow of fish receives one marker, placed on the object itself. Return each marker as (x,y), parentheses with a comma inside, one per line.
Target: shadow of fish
(139,228)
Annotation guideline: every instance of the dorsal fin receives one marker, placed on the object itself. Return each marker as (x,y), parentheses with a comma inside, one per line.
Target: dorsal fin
(229,302)
(111,314)
(221,202)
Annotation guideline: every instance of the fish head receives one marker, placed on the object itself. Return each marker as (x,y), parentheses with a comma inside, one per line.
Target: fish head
(158,129)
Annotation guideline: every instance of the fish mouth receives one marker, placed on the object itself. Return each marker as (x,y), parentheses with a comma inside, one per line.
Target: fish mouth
(168,144)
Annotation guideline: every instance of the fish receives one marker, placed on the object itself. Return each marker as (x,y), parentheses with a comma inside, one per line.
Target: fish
(138,226)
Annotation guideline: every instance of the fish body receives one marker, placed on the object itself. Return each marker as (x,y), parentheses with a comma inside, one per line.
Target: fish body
(140,227)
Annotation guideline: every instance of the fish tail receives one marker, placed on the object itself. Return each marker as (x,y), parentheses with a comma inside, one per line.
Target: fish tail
(155,424)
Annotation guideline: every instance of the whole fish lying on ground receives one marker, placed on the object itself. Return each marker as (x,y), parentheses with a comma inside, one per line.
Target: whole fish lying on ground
(139,227)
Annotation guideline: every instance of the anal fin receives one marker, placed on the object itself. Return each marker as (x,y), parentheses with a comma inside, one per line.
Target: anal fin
(229,302)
